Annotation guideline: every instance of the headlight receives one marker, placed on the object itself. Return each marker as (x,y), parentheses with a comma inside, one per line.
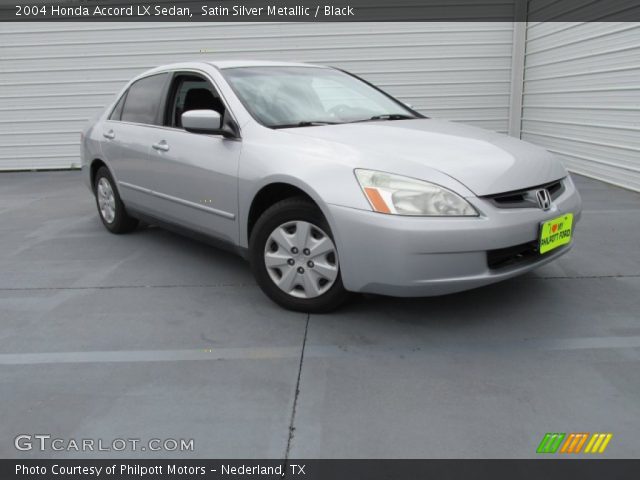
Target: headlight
(395,194)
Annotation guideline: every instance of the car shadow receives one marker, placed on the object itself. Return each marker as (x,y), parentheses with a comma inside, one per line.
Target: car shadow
(498,303)
(502,302)
(204,250)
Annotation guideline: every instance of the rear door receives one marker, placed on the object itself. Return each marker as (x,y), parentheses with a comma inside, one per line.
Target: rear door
(128,135)
(196,174)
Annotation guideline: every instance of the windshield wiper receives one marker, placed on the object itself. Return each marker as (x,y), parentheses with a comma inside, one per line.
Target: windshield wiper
(303,124)
(389,116)
(386,116)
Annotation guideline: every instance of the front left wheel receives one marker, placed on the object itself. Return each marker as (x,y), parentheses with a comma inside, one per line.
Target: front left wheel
(110,207)
(295,259)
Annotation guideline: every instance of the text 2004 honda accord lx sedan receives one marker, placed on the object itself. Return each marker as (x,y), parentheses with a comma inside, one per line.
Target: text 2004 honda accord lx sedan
(327,184)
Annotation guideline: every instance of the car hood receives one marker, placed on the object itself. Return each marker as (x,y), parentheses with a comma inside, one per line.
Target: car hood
(484,161)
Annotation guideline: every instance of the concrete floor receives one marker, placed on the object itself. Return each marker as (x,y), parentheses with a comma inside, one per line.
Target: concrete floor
(152,335)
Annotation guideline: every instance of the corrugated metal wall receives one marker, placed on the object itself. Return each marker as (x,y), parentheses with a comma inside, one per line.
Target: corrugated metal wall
(55,76)
(582,97)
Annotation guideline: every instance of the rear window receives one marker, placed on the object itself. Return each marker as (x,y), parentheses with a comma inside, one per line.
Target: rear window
(143,99)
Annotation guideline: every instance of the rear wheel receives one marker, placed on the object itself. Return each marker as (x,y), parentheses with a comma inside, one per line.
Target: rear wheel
(295,259)
(110,207)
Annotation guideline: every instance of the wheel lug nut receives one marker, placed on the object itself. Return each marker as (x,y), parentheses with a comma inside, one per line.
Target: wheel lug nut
(306,251)
(310,264)
(294,250)
(300,270)
(291,261)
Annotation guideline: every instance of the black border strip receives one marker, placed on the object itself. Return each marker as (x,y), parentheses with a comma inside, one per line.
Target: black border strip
(543,468)
(315,10)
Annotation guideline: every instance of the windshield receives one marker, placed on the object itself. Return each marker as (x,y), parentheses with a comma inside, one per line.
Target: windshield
(280,97)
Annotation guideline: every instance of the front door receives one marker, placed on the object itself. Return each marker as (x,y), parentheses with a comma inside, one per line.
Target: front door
(196,175)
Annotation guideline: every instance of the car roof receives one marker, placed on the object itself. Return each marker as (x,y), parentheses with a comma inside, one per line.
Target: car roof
(222,64)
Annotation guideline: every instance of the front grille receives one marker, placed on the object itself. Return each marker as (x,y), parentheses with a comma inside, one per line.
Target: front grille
(525,198)
(511,256)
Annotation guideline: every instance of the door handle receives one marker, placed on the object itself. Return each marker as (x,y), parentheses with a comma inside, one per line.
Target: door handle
(161,146)
(110,135)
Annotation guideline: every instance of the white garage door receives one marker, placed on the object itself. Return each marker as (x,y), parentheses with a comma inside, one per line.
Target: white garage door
(56,76)
(582,97)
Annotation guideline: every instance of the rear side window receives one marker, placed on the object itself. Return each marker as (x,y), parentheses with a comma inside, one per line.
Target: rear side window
(116,114)
(142,101)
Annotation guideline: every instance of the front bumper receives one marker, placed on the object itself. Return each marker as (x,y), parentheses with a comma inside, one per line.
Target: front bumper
(424,256)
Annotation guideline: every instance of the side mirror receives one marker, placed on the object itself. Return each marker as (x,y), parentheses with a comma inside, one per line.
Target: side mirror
(202,121)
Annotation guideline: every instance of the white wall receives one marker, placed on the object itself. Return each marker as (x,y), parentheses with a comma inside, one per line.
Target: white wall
(582,97)
(55,76)
(581,91)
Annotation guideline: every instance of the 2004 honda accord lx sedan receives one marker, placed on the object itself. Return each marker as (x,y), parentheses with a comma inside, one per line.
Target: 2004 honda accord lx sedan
(325,183)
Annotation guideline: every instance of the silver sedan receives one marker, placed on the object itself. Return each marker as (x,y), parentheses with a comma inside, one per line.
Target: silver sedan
(327,184)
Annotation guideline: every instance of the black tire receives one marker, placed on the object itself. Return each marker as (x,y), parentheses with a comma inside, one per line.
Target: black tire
(122,222)
(292,210)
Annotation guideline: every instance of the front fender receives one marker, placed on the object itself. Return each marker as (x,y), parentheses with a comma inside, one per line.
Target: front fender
(252,189)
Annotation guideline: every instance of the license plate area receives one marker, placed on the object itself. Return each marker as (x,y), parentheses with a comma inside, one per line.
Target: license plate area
(555,233)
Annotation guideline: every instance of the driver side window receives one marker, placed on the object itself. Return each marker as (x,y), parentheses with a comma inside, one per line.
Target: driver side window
(191,92)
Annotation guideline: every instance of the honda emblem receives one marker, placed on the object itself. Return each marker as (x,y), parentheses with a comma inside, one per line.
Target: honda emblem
(544,199)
